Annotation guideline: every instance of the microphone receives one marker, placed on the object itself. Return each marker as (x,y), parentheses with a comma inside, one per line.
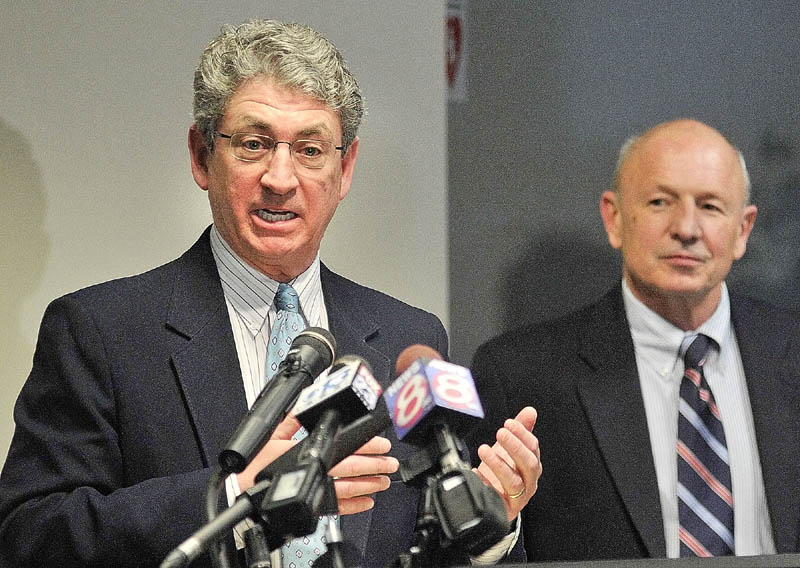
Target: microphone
(429,392)
(345,442)
(350,389)
(429,403)
(300,494)
(311,353)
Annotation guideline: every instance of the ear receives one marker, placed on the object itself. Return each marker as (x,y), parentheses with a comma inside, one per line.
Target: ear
(198,151)
(348,165)
(610,212)
(745,227)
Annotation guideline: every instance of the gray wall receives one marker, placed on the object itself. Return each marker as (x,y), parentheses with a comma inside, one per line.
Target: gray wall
(94,172)
(553,90)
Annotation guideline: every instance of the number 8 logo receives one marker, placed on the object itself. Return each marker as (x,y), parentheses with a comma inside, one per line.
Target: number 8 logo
(410,401)
(454,389)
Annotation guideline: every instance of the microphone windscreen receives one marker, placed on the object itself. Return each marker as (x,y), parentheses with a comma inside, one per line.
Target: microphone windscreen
(412,353)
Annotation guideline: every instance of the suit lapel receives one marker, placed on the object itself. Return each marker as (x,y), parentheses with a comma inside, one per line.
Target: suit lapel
(353,326)
(771,369)
(207,368)
(611,397)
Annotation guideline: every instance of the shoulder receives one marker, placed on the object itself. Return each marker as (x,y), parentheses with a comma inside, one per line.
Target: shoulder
(564,334)
(759,324)
(387,323)
(129,290)
(342,290)
(196,263)
(743,306)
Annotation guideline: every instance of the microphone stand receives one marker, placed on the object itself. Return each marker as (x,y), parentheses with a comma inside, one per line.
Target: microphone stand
(286,503)
(256,551)
(427,532)
(456,508)
(220,554)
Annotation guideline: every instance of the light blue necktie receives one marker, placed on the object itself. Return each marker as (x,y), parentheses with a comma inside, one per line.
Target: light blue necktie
(305,550)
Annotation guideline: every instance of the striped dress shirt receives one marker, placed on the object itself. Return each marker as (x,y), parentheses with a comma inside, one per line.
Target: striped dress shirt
(657,346)
(249,296)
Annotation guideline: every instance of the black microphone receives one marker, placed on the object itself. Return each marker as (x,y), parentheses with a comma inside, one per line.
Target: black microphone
(312,352)
(430,402)
(348,439)
(350,389)
(299,495)
(429,392)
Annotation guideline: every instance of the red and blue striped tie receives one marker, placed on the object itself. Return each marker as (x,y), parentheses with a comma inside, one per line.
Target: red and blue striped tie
(705,500)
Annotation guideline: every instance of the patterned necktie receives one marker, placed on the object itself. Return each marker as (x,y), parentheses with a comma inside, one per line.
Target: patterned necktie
(705,500)
(305,550)
(288,324)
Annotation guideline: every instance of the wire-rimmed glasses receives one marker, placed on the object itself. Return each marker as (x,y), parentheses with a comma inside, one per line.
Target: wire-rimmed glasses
(312,154)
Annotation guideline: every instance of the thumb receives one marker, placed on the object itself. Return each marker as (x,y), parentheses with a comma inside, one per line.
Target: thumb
(286,428)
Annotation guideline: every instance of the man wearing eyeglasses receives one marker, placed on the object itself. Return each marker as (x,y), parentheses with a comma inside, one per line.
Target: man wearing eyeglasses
(138,383)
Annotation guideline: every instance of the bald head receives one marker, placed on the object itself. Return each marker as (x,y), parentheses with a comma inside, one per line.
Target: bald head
(679,214)
(682,135)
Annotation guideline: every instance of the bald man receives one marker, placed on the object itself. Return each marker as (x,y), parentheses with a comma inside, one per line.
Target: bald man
(606,379)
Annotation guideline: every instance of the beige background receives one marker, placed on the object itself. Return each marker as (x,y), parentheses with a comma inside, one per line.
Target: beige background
(94,172)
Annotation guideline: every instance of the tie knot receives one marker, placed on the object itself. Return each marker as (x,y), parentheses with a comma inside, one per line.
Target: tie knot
(695,353)
(286,299)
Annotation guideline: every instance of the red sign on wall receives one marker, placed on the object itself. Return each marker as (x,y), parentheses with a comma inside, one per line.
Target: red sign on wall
(456,55)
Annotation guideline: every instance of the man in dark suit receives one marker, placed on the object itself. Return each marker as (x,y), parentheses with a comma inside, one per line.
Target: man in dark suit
(605,379)
(138,383)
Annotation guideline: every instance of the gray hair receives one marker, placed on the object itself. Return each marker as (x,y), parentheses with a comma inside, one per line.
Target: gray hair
(294,55)
(630,142)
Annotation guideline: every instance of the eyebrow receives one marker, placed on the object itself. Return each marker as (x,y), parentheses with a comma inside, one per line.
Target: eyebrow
(311,130)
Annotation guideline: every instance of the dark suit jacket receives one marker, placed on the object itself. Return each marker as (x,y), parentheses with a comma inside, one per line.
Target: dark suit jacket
(135,388)
(598,495)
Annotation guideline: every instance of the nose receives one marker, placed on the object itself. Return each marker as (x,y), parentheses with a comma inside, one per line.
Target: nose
(279,176)
(686,226)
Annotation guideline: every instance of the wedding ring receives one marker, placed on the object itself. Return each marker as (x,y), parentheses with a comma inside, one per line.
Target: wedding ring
(517,495)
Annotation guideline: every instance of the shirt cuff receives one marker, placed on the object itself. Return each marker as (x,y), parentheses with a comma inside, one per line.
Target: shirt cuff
(233,490)
(497,552)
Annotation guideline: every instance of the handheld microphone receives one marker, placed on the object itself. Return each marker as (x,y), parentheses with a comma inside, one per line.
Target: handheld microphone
(300,494)
(312,352)
(348,439)
(430,391)
(350,389)
(429,403)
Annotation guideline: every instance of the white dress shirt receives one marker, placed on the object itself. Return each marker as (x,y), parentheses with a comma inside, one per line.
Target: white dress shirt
(249,296)
(657,346)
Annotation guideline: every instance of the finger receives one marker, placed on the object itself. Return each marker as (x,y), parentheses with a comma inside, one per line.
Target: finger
(357,465)
(524,434)
(286,429)
(504,477)
(377,445)
(521,428)
(514,442)
(269,453)
(355,505)
(527,417)
(525,462)
(349,487)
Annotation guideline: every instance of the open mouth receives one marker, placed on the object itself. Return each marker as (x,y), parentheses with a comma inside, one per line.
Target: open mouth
(275,216)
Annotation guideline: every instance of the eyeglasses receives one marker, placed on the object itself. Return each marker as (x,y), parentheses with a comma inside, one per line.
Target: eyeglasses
(312,154)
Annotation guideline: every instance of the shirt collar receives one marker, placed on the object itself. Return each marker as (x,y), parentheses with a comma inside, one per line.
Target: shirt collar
(658,341)
(251,292)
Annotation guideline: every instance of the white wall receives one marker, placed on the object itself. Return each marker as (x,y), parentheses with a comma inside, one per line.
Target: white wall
(94,172)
